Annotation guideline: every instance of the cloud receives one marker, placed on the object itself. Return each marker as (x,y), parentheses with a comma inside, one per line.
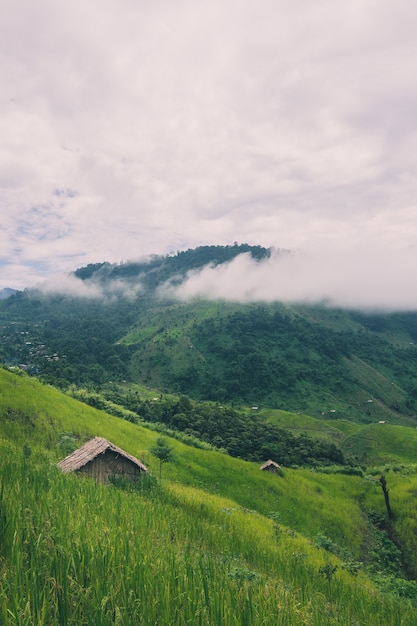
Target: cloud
(109,290)
(363,278)
(69,285)
(171,125)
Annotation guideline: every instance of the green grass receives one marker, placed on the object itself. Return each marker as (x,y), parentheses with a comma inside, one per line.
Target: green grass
(217,541)
(301,423)
(370,444)
(37,415)
(383,443)
(156,324)
(40,415)
(74,552)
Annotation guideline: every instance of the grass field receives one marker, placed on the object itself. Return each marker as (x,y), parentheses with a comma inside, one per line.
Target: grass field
(216,541)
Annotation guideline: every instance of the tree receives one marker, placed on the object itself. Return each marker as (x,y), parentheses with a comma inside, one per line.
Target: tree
(383,482)
(163,451)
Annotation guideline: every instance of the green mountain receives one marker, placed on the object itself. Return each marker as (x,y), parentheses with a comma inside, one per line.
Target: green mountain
(328,363)
(215,541)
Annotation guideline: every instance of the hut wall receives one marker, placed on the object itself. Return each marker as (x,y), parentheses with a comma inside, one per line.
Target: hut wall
(109,465)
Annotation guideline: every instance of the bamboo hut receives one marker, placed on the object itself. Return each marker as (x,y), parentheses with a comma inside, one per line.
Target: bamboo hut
(271,466)
(103,461)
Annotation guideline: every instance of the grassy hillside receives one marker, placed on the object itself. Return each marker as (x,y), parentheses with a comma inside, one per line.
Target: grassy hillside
(217,541)
(376,444)
(292,358)
(45,419)
(171,558)
(367,444)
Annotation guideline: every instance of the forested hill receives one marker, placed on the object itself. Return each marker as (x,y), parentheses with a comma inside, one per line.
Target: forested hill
(156,270)
(325,362)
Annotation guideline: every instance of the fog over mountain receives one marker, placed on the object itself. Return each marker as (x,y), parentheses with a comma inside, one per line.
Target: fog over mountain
(362,277)
(70,285)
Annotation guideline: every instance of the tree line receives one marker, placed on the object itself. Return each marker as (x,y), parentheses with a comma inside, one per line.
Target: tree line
(241,433)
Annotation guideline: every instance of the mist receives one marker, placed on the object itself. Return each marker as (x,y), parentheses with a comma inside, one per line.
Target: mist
(374,278)
(70,285)
(361,277)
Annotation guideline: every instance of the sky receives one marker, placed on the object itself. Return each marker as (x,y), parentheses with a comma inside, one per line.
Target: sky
(130,128)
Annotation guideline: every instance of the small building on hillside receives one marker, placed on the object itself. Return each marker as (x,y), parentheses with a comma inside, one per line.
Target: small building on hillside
(271,466)
(103,461)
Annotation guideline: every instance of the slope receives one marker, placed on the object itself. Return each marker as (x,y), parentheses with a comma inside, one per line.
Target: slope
(217,541)
(275,356)
(45,419)
(366,444)
(308,359)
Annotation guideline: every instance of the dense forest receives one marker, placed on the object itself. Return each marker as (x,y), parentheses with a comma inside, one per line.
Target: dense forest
(240,433)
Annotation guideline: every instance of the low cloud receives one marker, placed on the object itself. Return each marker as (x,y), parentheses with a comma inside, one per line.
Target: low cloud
(70,285)
(363,277)
(122,289)
(359,278)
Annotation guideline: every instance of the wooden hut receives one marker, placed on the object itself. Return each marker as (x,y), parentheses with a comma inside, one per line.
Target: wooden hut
(102,460)
(271,466)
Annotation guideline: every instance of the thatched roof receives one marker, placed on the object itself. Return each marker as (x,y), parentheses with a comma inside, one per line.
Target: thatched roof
(91,450)
(269,464)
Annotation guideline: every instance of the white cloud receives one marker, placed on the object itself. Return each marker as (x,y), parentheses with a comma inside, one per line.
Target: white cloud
(354,277)
(70,285)
(188,123)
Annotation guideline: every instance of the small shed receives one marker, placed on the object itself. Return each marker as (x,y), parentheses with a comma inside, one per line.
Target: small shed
(271,466)
(102,460)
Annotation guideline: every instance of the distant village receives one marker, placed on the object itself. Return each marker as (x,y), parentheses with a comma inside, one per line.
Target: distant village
(21,347)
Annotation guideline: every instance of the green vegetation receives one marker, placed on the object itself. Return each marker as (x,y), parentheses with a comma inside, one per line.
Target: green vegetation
(211,390)
(216,541)
(241,433)
(168,557)
(309,359)
(163,451)
(362,444)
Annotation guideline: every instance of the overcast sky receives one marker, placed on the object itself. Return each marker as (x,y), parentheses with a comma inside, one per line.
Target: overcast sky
(129,128)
